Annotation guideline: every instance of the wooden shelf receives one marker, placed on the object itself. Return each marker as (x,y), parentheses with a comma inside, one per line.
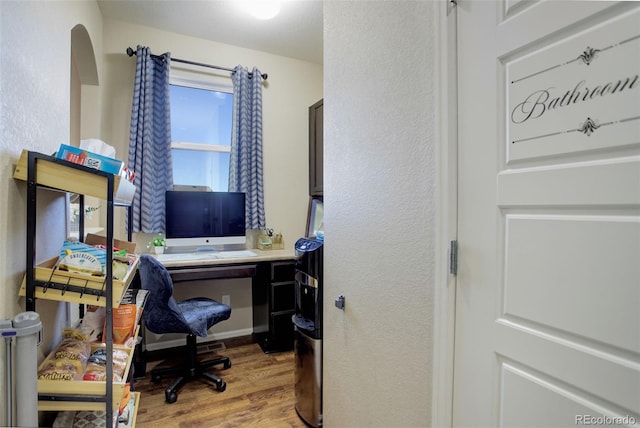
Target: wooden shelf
(65,390)
(136,407)
(133,417)
(60,174)
(52,284)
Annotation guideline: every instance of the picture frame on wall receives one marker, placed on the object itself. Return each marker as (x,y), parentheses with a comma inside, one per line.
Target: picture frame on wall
(315,217)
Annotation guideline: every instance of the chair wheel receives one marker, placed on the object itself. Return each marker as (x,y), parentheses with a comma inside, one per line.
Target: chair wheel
(155,378)
(227,364)
(221,386)
(171,397)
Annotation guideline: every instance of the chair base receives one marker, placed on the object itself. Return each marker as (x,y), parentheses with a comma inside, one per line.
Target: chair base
(193,370)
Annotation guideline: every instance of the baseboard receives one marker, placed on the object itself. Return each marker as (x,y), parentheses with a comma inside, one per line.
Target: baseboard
(166,344)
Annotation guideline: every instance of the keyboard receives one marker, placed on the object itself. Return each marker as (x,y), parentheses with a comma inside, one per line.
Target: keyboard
(205,255)
(238,254)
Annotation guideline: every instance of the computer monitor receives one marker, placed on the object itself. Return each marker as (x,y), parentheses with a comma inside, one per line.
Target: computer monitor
(204,220)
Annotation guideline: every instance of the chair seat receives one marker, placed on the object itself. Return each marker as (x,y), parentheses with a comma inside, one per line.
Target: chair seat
(202,313)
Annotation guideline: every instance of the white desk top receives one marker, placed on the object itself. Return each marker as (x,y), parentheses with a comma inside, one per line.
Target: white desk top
(224,257)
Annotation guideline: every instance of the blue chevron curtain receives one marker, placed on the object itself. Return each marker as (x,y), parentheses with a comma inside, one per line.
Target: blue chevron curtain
(245,165)
(150,141)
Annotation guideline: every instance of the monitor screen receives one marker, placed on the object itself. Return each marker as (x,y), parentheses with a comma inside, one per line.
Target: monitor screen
(204,219)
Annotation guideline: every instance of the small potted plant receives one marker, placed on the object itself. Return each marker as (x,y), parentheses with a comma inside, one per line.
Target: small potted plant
(158,243)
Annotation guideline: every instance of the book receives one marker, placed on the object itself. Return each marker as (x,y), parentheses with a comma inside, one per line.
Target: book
(90,257)
(90,159)
(138,297)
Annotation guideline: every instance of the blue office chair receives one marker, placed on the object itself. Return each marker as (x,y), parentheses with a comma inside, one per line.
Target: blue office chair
(163,314)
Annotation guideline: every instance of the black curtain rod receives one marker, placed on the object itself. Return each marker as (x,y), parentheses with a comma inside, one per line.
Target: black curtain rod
(131,52)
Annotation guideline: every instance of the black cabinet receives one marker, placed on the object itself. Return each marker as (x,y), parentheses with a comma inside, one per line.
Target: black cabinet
(315,149)
(273,305)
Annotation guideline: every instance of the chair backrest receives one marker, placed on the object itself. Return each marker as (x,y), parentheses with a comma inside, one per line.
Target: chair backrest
(161,312)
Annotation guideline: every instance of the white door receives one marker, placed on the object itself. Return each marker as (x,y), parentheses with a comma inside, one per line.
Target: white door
(548,287)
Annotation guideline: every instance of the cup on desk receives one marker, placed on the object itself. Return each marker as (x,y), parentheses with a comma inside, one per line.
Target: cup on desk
(277,242)
(264,240)
(268,241)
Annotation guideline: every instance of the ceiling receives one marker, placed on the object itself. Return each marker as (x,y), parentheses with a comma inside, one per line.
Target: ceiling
(296,32)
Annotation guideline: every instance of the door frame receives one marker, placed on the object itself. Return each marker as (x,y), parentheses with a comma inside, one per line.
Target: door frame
(447,211)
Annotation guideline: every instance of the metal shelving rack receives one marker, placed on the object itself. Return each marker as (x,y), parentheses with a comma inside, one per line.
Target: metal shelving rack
(45,171)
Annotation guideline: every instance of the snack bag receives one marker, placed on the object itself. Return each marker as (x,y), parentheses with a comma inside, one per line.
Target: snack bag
(124,324)
(68,360)
(97,364)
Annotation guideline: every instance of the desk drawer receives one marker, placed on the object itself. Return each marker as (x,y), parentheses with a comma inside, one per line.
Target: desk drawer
(194,273)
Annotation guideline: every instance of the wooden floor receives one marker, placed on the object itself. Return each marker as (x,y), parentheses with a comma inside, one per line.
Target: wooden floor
(259,393)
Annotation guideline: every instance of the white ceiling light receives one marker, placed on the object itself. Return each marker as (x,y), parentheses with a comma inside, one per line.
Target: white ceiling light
(261,9)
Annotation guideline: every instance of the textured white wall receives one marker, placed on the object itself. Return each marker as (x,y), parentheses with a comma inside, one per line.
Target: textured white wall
(379,152)
(35,63)
(378,178)
(35,49)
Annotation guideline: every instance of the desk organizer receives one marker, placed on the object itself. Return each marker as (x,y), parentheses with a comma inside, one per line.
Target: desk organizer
(271,243)
(277,243)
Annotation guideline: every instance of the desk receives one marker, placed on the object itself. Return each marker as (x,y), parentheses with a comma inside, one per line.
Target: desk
(272,290)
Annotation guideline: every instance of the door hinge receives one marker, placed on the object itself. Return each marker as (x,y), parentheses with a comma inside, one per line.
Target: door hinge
(453,257)
(451,5)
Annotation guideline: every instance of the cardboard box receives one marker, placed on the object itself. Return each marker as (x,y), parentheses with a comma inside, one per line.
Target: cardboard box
(90,159)
(92,239)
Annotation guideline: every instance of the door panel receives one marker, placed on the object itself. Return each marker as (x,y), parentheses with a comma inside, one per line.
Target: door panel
(592,374)
(521,387)
(563,185)
(548,287)
(543,276)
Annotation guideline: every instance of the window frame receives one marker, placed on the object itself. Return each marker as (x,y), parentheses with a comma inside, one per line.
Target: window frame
(209,85)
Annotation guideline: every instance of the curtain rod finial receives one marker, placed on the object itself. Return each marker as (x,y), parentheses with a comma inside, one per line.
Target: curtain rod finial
(130,52)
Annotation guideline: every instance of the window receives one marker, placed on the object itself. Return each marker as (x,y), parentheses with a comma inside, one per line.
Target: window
(201,120)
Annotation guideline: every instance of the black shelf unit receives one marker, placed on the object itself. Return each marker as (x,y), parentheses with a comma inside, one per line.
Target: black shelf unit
(68,177)
(273,305)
